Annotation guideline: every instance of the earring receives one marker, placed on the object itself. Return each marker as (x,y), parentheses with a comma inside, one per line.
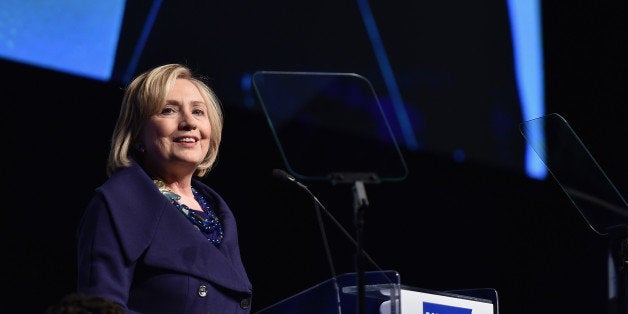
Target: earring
(140,148)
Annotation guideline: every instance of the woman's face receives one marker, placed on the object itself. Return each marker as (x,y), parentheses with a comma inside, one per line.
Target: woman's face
(177,137)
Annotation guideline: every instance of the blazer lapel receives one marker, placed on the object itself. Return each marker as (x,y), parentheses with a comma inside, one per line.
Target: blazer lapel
(148,224)
(195,254)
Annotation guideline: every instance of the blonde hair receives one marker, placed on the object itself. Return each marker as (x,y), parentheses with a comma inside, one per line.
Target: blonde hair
(146,96)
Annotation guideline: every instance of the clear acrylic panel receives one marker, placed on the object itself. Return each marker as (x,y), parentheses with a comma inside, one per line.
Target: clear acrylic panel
(340,295)
(329,123)
(577,172)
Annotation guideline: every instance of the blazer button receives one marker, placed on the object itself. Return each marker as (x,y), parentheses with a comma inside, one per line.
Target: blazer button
(202,291)
(245,303)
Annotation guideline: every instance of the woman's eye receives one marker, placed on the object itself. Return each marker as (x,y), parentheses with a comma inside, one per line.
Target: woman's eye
(199,112)
(167,110)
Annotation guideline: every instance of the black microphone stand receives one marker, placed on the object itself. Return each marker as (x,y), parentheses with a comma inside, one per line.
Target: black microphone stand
(360,204)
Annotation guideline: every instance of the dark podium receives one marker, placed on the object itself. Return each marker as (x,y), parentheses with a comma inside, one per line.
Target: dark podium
(383,294)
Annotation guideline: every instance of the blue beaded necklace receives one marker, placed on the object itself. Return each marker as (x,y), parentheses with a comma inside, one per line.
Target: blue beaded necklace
(206,221)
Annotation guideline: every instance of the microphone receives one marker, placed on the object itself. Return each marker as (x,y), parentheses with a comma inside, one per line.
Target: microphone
(286,177)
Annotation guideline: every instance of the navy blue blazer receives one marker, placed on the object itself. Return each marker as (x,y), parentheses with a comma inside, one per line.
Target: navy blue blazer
(137,249)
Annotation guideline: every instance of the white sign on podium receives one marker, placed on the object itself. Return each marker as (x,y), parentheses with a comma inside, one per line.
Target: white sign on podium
(422,302)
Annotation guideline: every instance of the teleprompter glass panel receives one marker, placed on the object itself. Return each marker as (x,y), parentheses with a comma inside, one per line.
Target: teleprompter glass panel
(577,172)
(327,124)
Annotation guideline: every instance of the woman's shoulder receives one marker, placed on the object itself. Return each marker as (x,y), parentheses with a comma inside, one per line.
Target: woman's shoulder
(130,187)
(126,178)
(135,206)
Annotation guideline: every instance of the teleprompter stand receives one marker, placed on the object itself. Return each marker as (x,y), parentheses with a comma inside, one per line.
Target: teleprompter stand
(360,204)
(619,252)
(590,190)
(330,127)
(324,125)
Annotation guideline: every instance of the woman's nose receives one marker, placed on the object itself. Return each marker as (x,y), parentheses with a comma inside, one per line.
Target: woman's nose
(188,121)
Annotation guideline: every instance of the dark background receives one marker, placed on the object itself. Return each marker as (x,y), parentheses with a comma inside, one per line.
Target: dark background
(450,225)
